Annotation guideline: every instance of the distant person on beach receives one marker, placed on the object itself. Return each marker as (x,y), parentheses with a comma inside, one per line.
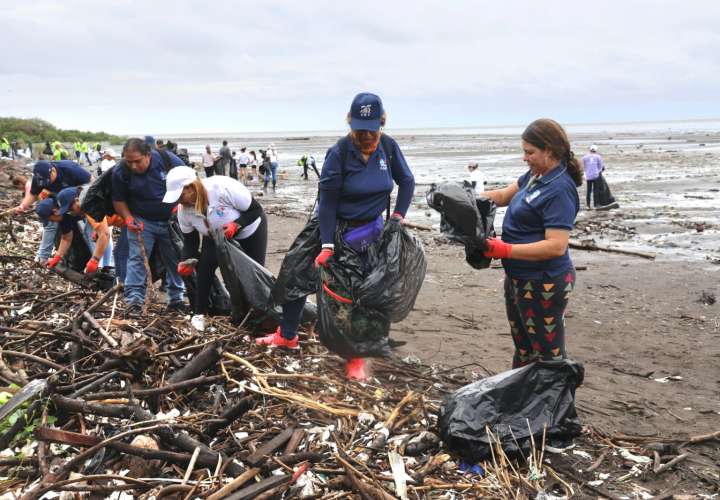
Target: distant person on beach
(594,166)
(225,157)
(253,163)
(243,160)
(477,179)
(272,154)
(307,162)
(356,182)
(47,151)
(208,161)
(539,275)
(5,147)
(109,159)
(207,204)
(266,170)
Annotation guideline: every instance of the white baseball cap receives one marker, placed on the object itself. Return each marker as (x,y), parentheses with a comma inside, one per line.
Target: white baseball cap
(593,148)
(177,179)
(110,152)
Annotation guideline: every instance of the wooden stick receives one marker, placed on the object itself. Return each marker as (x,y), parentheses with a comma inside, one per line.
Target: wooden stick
(593,247)
(396,411)
(190,466)
(234,484)
(704,437)
(93,322)
(662,468)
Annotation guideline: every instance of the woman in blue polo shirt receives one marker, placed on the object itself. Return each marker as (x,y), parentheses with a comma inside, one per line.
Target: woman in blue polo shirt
(539,275)
(355,185)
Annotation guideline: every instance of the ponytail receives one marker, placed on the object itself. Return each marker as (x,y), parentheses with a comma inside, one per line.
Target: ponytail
(573,166)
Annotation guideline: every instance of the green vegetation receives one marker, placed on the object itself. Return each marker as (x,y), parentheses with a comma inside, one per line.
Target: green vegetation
(39,131)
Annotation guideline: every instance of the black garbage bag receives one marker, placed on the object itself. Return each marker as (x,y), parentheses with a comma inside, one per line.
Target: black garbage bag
(602,194)
(464,218)
(347,327)
(79,252)
(97,203)
(397,270)
(250,284)
(513,405)
(297,278)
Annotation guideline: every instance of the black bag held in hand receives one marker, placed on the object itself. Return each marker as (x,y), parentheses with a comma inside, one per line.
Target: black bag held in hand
(513,405)
(464,218)
(249,283)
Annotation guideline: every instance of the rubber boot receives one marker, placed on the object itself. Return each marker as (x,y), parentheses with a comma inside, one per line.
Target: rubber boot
(355,369)
(277,340)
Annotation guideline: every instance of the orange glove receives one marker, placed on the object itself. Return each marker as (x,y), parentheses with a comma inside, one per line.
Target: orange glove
(44,194)
(498,249)
(323,256)
(136,226)
(91,266)
(115,220)
(231,230)
(53,261)
(185,270)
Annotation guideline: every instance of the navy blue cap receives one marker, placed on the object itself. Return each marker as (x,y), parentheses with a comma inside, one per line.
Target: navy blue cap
(44,210)
(366,111)
(65,198)
(150,141)
(41,173)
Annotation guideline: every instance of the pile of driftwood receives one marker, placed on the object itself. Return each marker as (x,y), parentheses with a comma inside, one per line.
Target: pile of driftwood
(95,406)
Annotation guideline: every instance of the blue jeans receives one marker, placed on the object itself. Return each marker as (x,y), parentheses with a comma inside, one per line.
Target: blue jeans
(155,233)
(47,244)
(273,172)
(121,255)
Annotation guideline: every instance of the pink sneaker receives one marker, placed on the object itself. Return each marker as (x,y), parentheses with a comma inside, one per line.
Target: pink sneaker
(355,369)
(277,340)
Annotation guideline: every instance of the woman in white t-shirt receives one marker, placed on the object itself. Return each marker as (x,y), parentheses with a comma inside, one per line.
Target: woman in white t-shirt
(477,179)
(208,161)
(217,202)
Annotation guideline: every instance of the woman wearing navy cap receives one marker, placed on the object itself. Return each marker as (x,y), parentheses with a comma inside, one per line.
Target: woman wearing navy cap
(539,275)
(355,185)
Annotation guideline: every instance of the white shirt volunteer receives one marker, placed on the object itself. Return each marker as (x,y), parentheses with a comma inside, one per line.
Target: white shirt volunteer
(208,160)
(227,198)
(106,164)
(272,154)
(243,158)
(479,179)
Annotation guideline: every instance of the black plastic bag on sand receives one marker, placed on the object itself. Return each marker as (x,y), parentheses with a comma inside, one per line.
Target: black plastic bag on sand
(297,277)
(397,270)
(513,405)
(79,252)
(464,218)
(249,283)
(348,328)
(603,196)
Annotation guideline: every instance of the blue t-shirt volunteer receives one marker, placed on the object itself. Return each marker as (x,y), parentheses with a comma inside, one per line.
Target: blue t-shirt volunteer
(144,193)
(69,174)
(358,191)
(550,202)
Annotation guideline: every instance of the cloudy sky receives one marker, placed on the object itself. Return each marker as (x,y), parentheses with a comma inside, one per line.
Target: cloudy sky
(187,66)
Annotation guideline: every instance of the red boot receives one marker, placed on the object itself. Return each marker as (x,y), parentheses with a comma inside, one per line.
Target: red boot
(277,340)
(356,369)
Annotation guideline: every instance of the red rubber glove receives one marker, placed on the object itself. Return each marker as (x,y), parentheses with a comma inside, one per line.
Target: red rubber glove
(91,266)
(53,261)
(134,225)
(323,256)
(174,209)
(44,194)
(397,216)
(498,249)
(231,230)
(185,270)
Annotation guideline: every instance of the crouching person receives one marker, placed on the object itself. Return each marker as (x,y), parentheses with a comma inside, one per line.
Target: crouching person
(137,193)
(208,204)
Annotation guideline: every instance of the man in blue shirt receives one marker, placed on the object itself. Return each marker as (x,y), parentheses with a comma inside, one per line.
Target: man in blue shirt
(51,177)
(56,210)
(138,188)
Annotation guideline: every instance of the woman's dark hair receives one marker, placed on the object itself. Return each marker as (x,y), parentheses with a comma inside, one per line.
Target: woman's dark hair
(548,135)
(138,145)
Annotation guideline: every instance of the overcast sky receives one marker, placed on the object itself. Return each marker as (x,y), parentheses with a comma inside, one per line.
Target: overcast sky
(187,66)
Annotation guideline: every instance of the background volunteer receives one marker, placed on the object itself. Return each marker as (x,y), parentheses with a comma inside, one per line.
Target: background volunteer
(539,275)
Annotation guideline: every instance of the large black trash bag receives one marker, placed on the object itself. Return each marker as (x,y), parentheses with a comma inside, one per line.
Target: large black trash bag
(539,395)
(79,252)
(297,278)
(347,327)
(97,203)
(464,218)
(397,270)
(249,283)
(603,197)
